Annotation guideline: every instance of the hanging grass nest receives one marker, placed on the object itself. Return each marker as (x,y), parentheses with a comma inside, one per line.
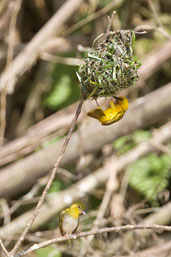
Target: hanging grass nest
(110,67)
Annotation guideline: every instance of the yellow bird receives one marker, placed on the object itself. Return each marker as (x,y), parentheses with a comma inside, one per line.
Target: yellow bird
(69,219)
(112,114)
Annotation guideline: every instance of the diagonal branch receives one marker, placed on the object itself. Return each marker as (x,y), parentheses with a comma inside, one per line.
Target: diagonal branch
(3,248)
(10,53)
(29,55)
(88,184)
(141,114)
(50,180)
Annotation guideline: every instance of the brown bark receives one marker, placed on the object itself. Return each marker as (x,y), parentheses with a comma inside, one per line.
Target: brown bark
(58,201)
(24,61)
(144,112)
(154,61)
(47,127)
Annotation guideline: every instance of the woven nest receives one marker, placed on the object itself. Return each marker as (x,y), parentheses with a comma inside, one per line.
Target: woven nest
(110,67)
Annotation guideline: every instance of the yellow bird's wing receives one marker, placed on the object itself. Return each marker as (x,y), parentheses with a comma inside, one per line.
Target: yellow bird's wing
(73,232)
(97,113)
(61,218)
(113,114)
(114,118)
(60,225)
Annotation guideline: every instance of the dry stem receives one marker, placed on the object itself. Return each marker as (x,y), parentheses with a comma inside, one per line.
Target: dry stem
(92,17)
(88,184)
(50,180)
(3,248)
(10,54)
(93,232)
(24,61)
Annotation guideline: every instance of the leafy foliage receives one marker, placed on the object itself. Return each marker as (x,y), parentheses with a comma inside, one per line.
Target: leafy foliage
(149,174)
(48,251)
(125,143)
(64,89)
(56,186)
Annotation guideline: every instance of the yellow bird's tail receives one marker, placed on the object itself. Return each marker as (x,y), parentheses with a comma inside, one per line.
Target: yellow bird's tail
(70,243)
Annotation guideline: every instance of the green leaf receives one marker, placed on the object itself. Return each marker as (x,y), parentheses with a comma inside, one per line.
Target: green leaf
(56,186)
(141,135)
(49,142)
(60,93)
(149,175)
(125,143)
(64,88)
(48,251)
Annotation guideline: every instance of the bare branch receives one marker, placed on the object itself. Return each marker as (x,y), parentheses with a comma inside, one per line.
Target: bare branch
(142,29)
(153,9)
(88,184)
(50,180)
(24,61)
(93,232)
(10,53)
(64,60)
(3,248)
(156,250)
(111,169)
(39,133)
(93,16)
(141,114)
(149,64)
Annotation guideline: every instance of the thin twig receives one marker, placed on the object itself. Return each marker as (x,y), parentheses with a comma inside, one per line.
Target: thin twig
(142,110)
(110,22)
(156,250)
(2,116)
(158,28)
(59,59)
(111,166)
(88,184)
(3,248)
(24,61)
(5,211)
(142,29)
(161,147)
(93,232)
(44,129)
(92,17)
(10,54)
(50,180)
(156,16)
